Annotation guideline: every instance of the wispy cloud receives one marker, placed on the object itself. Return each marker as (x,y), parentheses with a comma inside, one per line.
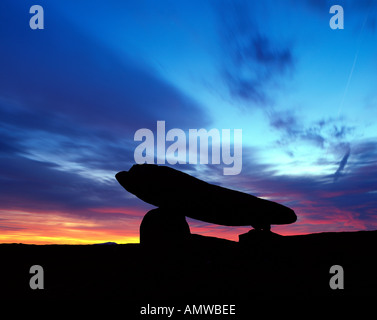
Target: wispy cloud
(326,134)
(253,61)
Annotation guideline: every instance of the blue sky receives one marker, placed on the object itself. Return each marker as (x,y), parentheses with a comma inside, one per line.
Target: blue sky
(72,96)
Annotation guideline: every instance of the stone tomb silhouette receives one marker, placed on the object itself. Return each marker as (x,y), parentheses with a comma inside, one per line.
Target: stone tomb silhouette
(178,195)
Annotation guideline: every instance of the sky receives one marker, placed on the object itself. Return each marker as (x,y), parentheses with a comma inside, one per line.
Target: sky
(72,96)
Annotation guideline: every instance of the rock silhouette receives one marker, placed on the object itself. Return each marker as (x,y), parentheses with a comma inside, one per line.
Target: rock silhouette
(163,227)
(180,195)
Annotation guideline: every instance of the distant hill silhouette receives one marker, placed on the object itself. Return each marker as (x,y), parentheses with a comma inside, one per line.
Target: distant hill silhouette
(105,244)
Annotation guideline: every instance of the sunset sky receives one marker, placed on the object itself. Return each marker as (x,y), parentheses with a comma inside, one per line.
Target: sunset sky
(73,94)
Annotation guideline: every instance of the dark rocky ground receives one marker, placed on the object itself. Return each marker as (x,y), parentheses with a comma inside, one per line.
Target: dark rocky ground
(203,269)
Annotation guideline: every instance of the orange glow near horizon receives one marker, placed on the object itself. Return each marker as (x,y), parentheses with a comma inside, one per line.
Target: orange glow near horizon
(99,225)
(61,228)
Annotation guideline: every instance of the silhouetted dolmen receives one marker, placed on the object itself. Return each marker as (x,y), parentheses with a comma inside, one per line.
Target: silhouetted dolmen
(177,193)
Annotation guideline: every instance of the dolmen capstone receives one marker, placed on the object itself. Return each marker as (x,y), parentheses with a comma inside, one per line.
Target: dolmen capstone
(178,195)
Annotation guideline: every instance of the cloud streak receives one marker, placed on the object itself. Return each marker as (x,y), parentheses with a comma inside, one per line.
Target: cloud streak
(342,165)
(253,61)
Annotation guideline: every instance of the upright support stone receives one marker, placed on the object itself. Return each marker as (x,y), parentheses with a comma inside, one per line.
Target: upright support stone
(163,227)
